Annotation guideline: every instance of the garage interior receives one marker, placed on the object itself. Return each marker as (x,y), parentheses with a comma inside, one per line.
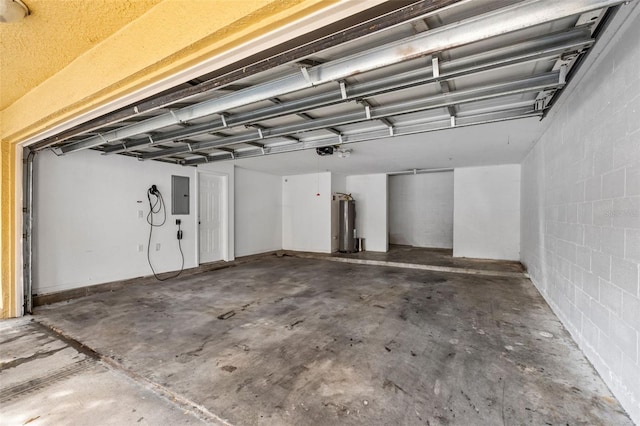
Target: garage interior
(323,212)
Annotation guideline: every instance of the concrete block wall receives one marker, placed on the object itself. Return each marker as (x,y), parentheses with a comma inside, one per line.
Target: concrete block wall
(580,225)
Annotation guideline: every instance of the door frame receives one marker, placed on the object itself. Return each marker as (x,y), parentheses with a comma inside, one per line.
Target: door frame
(225,214)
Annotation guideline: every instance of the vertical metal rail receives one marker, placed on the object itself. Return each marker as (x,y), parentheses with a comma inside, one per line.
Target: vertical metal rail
(27,215)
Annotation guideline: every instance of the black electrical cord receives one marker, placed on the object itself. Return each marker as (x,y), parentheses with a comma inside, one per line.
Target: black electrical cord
(155,208)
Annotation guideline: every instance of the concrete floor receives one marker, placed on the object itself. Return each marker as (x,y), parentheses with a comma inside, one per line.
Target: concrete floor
(45,380)
(433,257)
(292,341)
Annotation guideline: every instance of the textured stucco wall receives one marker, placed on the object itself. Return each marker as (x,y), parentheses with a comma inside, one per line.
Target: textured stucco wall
(47,39)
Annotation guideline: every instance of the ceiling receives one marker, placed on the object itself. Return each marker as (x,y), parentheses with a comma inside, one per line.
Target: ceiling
(504,142)
(463,84)
(55,33)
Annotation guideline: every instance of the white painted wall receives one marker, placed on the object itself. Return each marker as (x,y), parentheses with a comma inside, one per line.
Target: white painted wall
(581,216)
(258,212)
(486,212)
(306,216)
(421,210)
(87,228)
(371,195)
(338,183)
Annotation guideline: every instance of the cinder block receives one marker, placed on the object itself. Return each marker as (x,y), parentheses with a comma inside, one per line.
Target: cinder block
(575,317)
(576,234)
(613,184)
(624,274)
(572,213)
(583,258)
(603,157)
(626,212)
(626,151)
(633,112)
(577,193)
(590,332)
(632,245)
(617,128)
(562,213)
(592,237)
(632,181)
(611,297)
(610,353)
(583,300)
(567,250)
(612,241)
(601,264)
(599,315)
(576,276)
(625,336)
(591,285)
(631,310)
(593,188)
(602,212)
(585,213)
(630,370)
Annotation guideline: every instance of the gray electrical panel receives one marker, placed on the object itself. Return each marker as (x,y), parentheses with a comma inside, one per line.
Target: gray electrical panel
(179,195)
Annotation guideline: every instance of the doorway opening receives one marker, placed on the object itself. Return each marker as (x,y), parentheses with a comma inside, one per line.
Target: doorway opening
(421,210)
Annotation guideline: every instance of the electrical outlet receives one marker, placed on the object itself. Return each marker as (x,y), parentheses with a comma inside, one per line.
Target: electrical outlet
(140,248)
(158,247)
(140,214)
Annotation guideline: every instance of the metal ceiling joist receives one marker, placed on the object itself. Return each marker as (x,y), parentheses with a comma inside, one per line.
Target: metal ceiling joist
(420,10)
(502,21)
(471,120)
(532,84)
(550,46)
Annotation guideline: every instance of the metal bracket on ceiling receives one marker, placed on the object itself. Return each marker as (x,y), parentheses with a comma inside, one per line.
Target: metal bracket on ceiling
(305,74)
(367,109)
(258,128)
(103,138)
(340,139)
(178,120)
(223,117)
(389,125)
(562,78)
(151,141)
(263,151)
(453,121)
(190,147)
(435,66)
(343,89)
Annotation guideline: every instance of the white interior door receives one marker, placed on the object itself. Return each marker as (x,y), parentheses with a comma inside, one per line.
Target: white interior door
(211,217)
